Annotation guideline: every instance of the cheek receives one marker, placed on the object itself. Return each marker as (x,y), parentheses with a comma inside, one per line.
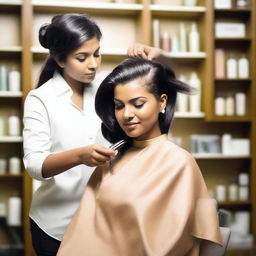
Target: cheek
(118,116)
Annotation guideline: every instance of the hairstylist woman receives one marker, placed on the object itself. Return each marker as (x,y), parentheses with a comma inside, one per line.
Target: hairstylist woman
(60,127)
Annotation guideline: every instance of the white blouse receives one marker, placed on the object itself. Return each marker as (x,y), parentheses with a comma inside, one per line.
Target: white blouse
(53,124)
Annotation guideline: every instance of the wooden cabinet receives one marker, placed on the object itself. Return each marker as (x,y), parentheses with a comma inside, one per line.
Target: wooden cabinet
(122,24)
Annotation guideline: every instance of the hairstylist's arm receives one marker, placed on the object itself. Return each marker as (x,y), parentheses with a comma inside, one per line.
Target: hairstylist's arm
(149,53)
(92,155)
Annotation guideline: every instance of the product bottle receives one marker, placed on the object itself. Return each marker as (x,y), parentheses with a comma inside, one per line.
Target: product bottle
(156,33)
(220,192)
(13,125)
(230,105)
(182,99)
(219,107)
(243,68)
(242,3)
(231,68)
(243,180)
(195,100)
(175,44)
(182,37)
(189,2)
(3,78)
(240,103)
(233,191)
(14,211)
(219,64)
(226,147)
(14,165)
(194,40)
(165,42)
(14,81)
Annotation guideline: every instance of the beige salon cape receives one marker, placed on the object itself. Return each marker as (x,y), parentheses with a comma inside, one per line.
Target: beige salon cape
(152,202)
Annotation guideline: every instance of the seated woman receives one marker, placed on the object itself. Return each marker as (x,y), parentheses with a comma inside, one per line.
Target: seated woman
(151,199)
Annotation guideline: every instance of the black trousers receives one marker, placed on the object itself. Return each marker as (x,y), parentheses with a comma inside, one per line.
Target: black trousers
(43,244)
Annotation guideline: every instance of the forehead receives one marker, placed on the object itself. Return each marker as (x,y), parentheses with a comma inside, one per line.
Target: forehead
(132,89)
(89,46)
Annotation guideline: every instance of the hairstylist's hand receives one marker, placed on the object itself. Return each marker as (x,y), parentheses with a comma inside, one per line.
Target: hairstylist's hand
(95,155)
(144,51)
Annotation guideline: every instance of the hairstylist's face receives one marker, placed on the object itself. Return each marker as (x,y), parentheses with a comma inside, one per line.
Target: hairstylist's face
(137,110)
(81,65)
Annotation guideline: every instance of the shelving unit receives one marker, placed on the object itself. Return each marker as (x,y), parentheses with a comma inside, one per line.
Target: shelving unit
(137,19)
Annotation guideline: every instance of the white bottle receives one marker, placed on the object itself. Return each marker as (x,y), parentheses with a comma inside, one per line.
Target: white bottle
(175,44)
(219,105)
(226,144)
(3,78)
(231,68)
(13,125)
(194,40)
(14,211)
(182,37)
(189,2)
(14,165)
(233,191)
(240,103)
(165,42)
(243,68)
(195,100)
(230,105)
(182,99)
(14,81)
(220,192)
(156,34)
(243,180)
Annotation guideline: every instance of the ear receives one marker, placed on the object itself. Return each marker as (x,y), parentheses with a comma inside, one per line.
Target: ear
(163,102)
(61,64)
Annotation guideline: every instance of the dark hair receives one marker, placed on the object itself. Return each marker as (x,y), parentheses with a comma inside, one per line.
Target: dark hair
(63,35)
(159,79)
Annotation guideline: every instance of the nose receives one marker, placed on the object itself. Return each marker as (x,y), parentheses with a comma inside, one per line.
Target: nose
(92,64)
(128,113)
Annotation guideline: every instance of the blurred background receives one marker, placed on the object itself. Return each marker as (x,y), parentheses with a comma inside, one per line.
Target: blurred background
(211,45)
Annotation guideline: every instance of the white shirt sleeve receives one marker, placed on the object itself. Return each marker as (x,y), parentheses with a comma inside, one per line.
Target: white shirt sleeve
(36,136)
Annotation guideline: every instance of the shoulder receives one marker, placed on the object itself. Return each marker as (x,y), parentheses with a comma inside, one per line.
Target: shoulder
(43,90)
(177,152)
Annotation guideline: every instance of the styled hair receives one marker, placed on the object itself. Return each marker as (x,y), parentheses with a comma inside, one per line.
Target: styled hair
(158,78)
(64,34)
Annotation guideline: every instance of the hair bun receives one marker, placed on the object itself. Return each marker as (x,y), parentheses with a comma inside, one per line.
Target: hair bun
(43,36)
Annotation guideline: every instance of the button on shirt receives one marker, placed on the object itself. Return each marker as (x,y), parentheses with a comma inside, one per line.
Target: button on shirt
(53,124)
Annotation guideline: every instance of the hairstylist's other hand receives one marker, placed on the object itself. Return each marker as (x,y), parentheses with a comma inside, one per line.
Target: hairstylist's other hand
(144,51)
(95,155)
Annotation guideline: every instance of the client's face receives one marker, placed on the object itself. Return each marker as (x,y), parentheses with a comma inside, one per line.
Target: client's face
(137,110)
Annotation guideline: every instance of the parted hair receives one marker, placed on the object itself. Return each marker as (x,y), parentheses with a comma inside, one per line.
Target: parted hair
(64,34)
(158,78)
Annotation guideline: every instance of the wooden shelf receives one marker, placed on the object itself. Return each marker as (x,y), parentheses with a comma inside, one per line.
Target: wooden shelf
(10,139)
(231,119)
(11,176)
(220,156)
(90,7)
(189,115)
(177,11)
(234,203)
(8,94)
(10,6)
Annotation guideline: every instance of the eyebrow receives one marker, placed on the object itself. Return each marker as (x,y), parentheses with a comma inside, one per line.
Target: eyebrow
(132,100)
(86,53)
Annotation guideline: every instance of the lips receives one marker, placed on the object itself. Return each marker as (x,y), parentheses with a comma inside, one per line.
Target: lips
(90,74)
(130,125)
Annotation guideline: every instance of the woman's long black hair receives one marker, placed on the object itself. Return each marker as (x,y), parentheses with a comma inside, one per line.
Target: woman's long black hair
(64,34)
(159,79)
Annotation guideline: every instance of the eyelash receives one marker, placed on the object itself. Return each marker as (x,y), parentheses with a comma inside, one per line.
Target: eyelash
(120,106)
(96,55)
